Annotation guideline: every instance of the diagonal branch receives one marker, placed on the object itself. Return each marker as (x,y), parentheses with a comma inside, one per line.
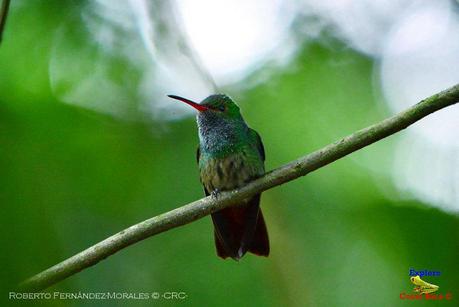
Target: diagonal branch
(3,14)
(205,206)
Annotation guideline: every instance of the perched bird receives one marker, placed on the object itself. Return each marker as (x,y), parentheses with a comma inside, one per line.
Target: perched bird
(229,155)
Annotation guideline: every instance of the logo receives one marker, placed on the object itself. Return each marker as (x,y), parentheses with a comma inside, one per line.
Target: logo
(422,286)
(424,290)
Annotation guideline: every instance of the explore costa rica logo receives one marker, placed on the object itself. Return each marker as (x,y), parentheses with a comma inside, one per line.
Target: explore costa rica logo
(423,289)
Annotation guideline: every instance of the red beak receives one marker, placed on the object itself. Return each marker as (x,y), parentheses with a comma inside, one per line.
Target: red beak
(195,105)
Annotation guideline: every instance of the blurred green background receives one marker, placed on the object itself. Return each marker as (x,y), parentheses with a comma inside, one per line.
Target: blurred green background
(71,176)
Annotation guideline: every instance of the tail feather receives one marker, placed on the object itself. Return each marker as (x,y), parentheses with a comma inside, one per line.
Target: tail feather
(260,241)
(221,251)
(240,229)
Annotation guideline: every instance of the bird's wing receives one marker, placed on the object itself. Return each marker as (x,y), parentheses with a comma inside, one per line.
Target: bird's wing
(198,156)
(259,144)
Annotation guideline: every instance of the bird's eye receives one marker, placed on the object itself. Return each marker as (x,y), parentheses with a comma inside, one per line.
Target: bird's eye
(221,108)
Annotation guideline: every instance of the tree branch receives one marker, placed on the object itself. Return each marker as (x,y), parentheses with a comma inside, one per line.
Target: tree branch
(3,15)
(205,206)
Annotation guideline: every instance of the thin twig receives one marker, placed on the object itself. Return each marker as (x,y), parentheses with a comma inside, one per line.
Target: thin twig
(205,206)
(3,15)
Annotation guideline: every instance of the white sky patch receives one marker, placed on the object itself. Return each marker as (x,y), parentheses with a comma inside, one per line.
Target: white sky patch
(231,36)
(363,24)
(420,59)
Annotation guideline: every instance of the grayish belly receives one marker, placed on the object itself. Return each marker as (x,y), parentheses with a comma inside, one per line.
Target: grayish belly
(229,173)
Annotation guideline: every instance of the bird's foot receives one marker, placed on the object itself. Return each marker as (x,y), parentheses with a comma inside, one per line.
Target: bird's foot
(215,193)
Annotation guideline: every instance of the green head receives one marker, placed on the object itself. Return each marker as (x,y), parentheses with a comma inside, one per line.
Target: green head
(219,105)
(219,120)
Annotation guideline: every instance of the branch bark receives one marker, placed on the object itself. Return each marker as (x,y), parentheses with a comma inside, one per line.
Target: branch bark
(205,206)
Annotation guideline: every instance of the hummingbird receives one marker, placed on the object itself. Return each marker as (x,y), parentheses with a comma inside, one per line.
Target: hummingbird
(229,155)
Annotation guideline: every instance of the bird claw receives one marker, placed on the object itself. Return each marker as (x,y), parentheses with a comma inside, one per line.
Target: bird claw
(215,193)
